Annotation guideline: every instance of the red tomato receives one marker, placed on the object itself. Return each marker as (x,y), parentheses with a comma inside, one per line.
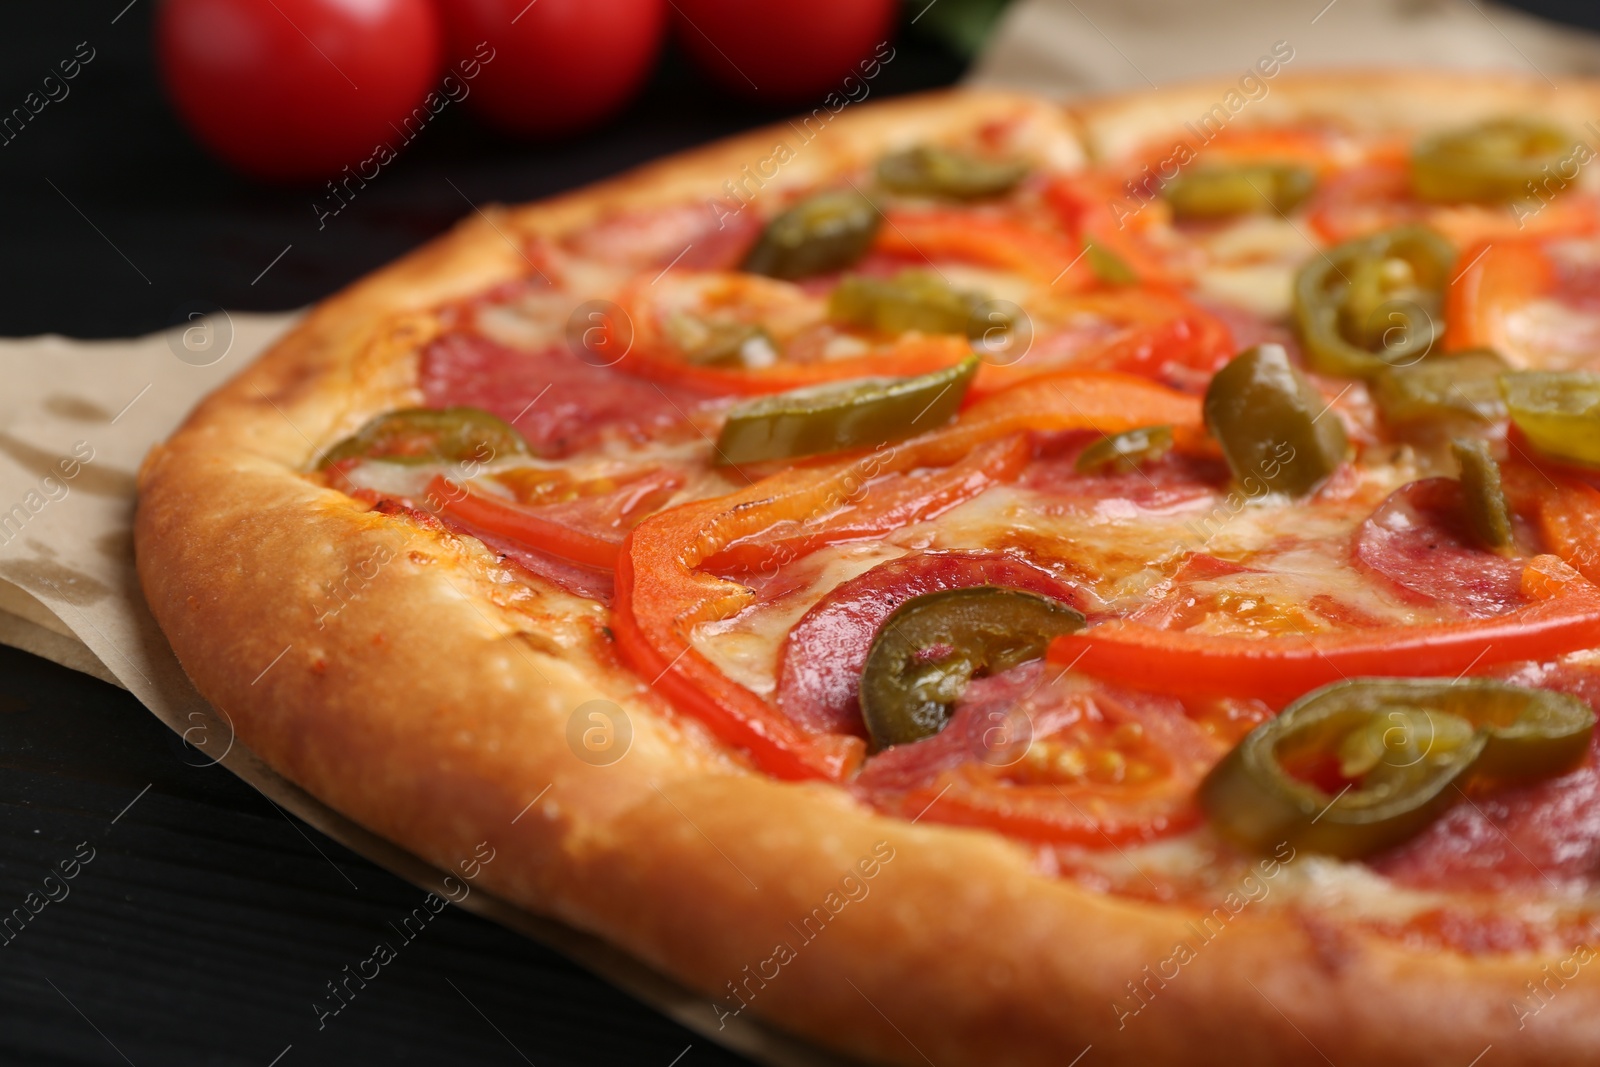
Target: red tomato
(297,89)
(785,51)
(559,65)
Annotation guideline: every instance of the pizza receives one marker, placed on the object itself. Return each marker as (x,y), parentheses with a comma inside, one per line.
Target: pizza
(971,579)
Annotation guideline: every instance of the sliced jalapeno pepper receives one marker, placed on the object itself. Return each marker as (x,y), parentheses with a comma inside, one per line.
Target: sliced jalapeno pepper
(1107,265)
(826,231)
(1275,429)
(933,645)
(430,435)
(911,300)
(1220,192)
(1463,386)
(1361,765)
(831,418)
(1126,451)
(1487,513)
(928,170)
(1558,411)
(1373,302)
(1487,163)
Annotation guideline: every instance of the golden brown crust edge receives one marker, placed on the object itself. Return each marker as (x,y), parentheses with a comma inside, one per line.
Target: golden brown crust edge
(432,711)
(1377,99)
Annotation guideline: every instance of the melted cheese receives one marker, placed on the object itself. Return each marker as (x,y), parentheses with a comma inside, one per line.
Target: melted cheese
(993,284)
(746,647)
(1194,866)
(1264,289)
(1122,558)
(1250,263)
(1548,335)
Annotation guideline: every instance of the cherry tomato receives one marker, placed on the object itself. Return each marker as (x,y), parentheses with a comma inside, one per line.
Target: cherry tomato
(559,65)
(297,89)
(784,51)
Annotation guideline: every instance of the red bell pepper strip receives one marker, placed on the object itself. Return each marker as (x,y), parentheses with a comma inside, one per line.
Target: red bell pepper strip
(938,235)
(895,503)
(664,590)
(645,630)
(593,539)
(1496,278)
(1569,520)
(1085,205)
(1564,617)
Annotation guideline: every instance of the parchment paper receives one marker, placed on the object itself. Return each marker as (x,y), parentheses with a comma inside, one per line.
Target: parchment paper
(68,591)
(76,418)
(1067,47)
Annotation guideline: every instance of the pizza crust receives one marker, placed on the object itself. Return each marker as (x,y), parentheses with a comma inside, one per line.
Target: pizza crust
(1373,101)
(434,708)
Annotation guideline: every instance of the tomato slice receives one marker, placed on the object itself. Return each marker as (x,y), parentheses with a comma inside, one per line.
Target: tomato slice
(1081,763)
(664,588)
(1164,336)
(1499,277)
(1377,195)
(1564,616)
(970,796)
(1363,199)
(587,531)
(1569,520)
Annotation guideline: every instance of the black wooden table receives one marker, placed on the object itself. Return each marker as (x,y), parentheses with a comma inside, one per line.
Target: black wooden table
(200,924)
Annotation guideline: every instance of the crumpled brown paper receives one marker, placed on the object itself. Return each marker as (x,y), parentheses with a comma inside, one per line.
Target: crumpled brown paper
(76,418)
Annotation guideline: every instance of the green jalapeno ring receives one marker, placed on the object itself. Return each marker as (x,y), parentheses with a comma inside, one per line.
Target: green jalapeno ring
(911,300)
(429,435)
(1226,191)
(1483,497)
(1373,302)
(1478,730)
(932,645)
(842,415)
(1275,429)
(1127,451)
(928,170)
(1557,411)
(1443,389)
(1490,162)
(825,231)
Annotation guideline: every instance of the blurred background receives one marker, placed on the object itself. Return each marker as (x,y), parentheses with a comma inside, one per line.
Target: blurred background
(117,219)
(192,145)
(158,158)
